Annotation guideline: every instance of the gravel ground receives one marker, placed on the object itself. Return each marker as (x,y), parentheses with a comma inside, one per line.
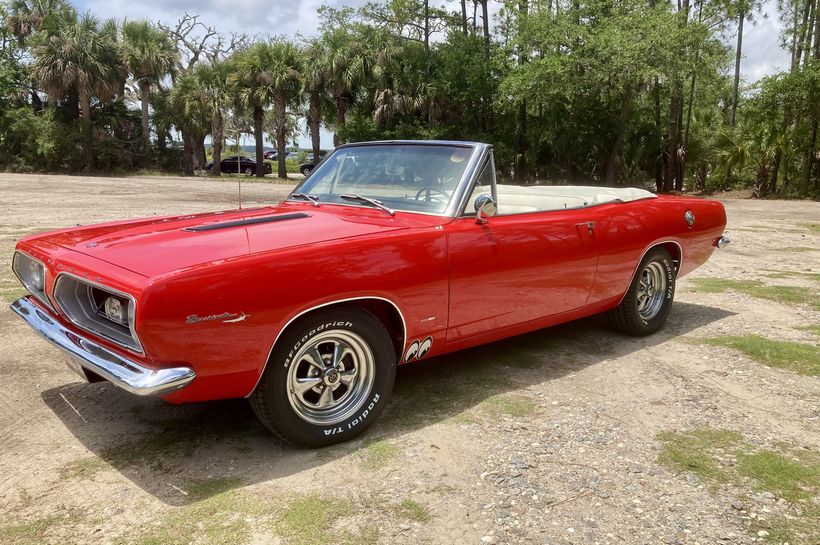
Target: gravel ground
(550,437)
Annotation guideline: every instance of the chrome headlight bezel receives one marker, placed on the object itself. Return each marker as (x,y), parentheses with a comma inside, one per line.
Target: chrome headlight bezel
(20,265)
(75,297)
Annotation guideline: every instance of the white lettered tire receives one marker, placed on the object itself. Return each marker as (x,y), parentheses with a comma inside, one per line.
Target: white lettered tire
(328,377)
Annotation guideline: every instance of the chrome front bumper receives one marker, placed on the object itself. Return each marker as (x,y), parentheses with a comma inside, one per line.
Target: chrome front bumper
(87,354)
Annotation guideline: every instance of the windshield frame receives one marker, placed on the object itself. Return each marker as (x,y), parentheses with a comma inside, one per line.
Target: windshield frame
(478,152)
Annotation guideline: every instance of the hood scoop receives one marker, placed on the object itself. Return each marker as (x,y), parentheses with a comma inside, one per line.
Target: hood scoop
(249,221)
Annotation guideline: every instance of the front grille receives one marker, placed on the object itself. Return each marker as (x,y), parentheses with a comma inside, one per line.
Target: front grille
(84,304)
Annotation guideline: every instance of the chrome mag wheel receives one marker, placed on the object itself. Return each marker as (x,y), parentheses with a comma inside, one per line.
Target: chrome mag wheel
(330,377)
(651,290)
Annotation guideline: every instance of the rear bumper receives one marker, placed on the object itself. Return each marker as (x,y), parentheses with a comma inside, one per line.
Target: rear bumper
(84,353)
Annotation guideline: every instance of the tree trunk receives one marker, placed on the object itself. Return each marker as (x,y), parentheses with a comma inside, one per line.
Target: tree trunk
(187,154)
(464,16)
(198,152)
(341,114)
(314,120)
(218,137)
(659,162)
(809,32)
(258,118)
(486,17)
(145,90)
(738,54)
(520,173)
(614,161)
(427,26)
(279,105)
(800,35)
(673,138)
(88,129)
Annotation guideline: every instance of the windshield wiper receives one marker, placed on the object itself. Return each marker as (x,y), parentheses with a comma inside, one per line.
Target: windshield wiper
(374,202)
(314,200)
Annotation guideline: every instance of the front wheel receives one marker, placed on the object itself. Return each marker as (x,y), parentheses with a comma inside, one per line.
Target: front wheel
(328,378)
(248,171)
(648,301)
(306,171)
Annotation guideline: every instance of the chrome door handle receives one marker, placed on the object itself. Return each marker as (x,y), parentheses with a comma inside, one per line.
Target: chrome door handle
(590,225)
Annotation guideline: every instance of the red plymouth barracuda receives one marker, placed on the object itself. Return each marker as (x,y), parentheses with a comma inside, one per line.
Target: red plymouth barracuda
(387,253)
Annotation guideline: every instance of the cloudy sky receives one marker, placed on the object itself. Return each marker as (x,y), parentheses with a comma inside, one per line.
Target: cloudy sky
(763,54)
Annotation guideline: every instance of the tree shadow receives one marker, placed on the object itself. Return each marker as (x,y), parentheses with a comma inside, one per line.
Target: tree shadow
(185,453)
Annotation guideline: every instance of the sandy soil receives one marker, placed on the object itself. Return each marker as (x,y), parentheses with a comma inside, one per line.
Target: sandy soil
(545,438)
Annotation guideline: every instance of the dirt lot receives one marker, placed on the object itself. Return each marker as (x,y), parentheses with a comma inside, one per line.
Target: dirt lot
(706,432)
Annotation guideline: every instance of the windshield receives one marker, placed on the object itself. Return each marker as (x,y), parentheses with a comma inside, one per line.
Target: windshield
(409,177)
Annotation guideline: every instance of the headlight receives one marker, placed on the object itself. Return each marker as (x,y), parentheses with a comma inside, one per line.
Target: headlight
(31,274)
(116,309)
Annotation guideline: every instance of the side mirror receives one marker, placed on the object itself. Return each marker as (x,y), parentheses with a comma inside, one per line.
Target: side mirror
(484,208)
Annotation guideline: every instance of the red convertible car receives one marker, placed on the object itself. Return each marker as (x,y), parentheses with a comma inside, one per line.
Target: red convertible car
(387,253)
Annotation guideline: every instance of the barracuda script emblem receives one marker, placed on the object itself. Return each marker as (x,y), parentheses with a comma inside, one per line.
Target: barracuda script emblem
(225,318)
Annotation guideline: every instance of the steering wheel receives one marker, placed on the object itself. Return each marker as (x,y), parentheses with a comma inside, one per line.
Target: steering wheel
(428,193)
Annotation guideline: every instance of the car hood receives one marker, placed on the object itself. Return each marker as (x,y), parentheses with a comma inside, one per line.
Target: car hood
(156,246)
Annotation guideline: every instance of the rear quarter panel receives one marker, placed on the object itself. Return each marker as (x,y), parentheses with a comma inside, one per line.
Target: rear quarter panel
(631,229)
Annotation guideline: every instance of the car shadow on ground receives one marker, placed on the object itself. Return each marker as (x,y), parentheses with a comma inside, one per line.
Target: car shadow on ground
(169,450)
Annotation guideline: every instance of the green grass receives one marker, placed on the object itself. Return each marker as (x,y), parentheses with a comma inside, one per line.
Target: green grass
(513,405)
(813,329)
(800,358)
(693,452)
(83,468)
(790,295)
(794,478)
(811,227)
(378,453)
(203,489)
(30,532)
(221,519)
(412,510)
(724,458)
(794,274)
(798,249)
(308,520)
(10,295)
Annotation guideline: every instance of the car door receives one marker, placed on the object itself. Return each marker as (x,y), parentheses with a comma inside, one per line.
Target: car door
(516,268)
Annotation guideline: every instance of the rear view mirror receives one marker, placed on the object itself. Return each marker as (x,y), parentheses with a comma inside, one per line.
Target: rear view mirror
(484,208)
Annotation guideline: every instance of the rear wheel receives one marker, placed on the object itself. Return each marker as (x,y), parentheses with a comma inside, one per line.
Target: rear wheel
(305,171)
(248,171)
(328,378)
(648,301)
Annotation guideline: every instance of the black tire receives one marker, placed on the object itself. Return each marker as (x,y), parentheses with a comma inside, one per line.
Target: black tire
(249,171)
(275,403)
(306,171)
(627,317)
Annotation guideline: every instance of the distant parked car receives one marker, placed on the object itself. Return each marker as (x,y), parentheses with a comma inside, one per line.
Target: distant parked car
(306,167)
(237,165)
(271,155)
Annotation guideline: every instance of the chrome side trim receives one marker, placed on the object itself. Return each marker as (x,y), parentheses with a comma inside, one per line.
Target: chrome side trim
(279,334)
(131,318)
(643,255)
(125,373)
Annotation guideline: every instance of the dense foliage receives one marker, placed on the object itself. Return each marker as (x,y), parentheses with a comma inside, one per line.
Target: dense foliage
(639,92)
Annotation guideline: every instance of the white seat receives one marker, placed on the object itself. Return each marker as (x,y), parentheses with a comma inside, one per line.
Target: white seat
(514,199)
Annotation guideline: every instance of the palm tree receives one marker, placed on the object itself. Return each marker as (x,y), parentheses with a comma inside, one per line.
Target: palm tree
(268,73)
(150,55)
(189,103)
(213,79)
(347,63)
(314,87)
(26,17)
(81,57)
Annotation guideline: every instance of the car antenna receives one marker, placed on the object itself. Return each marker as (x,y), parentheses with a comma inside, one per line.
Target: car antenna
(238,154)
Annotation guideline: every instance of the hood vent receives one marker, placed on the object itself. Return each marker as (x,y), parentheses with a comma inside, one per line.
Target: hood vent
(250,221)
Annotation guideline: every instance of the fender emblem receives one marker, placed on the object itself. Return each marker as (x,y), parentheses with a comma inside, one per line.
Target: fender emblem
(225,317)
